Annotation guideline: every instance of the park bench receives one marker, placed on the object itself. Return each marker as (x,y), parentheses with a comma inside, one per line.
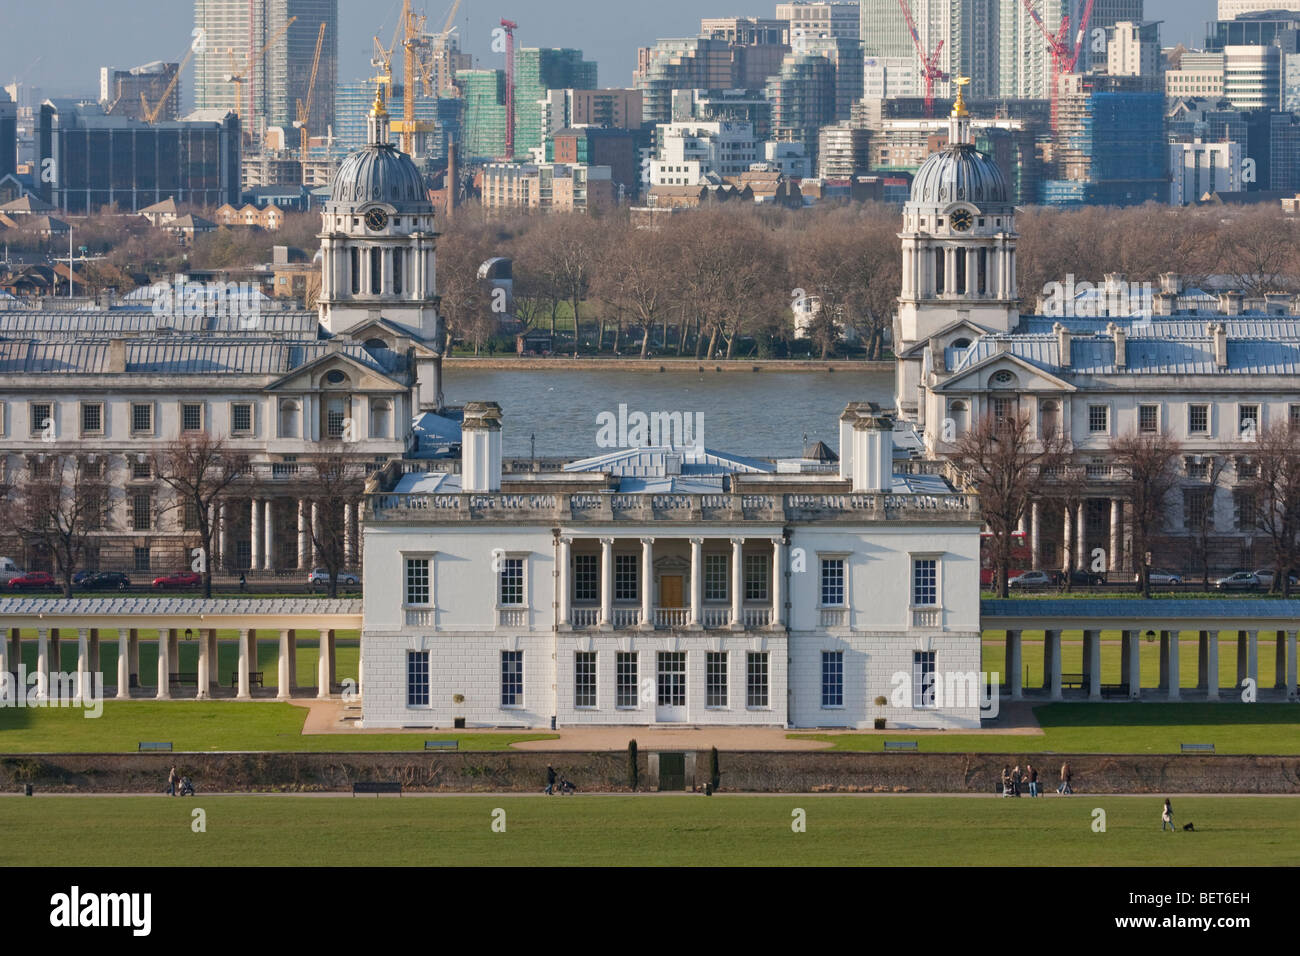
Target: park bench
(442,745)
(254,679)
(1197,748)
(1072,680)
(900,745)
(146,745)
(184,679)
(377,787)
(1114,690)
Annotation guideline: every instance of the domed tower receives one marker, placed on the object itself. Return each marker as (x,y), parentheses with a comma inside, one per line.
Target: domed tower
(959,251)
(378,250)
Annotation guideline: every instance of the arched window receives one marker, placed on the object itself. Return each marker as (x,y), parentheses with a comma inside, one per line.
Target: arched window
(959,412)
(376,271)
(290,417)
(356,271)
(381,417)
(374,345)
(961,344)
(398,256)
(940,273)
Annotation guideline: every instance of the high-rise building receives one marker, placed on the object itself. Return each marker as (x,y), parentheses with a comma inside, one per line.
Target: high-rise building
(8,135)
(729,106)
(1272,28)
(538,71)
(803,101)
(1105,14)
(1200,168)
(135,92)
(969,30)
(702,63)
(685,152)
(353,105)
(1231,9)
(1252,77)
(845,57)
(1025,61)
(821,18)
(1198,74)
(484,93)
(843,151)
(1133,49)
(250,38)
(746,31)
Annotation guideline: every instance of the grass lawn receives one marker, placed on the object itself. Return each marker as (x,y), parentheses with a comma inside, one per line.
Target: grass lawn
(1117,728)
(1031,658)
(651,831)
(199,726)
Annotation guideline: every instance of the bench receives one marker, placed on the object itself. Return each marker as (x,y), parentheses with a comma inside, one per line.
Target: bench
(182,680)
(376,787)
(146,745)
(1072,680)
(442,745)
(254,679)
(1197,748)
(900,745)
(1114,690)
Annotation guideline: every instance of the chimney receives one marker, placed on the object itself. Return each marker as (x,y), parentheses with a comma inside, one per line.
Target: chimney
(1166,303)
(1121,345)
(1113,282)
(117,355)
(1171,282)
(1219,332)
(480,452)
(1063,343)
(852,412)
(1278,303)
(873,454)
(1230,303)
(938,360)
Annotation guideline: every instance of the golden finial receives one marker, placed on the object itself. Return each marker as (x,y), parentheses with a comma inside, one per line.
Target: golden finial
(377,110)
(959,106)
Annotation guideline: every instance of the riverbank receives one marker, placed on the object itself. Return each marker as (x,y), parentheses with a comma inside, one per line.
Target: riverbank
(537,363)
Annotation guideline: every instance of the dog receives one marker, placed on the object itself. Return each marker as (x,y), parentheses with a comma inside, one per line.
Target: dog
(1189,826)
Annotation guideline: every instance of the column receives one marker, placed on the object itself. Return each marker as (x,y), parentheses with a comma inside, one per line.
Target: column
(9,688)
(1093,650)
(42,663)
(1129,563)
(123,664)
(349,519)
(1202,655)
(1067,538)
(254,533)
(1163,683)
(282,660)
(1173,672)
(606,583)
(56,658)
(133,653)
(268,541)
(325,649)
(1080,534)
(334,676)
(1052,655)
(563,589)
(1015,677)
(1124,657)
(205,666)
(1134,666)
(214,662)
(15,649)
(83,663)
(1279,660)
(950,271)
(697,581)
(293,662)
(221,539)
(778,583)
(245,648)
(302,536)
(737,584)
(1034,542)
(1252,656)
(1291,689)
(315,533)
(972,274)
(361,537)
(1212,665)
(164,667)
(174,647)
(1116,528)
(94,651)
(647,583)
(1242,668)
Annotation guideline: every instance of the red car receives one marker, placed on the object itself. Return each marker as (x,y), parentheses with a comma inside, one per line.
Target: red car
(186,579)
(33,581)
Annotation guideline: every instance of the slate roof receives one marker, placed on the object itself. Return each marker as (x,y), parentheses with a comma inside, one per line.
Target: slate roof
(1246,326)
(89,324)
(1144,356)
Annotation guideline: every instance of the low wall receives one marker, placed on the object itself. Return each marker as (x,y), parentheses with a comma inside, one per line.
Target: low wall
(525,772)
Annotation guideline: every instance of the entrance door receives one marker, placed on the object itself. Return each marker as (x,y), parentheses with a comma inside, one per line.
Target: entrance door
(672,771)
(670,701)
(670,591)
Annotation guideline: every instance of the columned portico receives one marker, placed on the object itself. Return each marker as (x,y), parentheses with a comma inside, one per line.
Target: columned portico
(246,645)
(778,584)
(254,533)
(563,586)
(697,583)
(606,584)
(282,691)
(647,583)
(737,584)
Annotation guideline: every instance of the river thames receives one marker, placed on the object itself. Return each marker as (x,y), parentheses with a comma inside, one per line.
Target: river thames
(759,414)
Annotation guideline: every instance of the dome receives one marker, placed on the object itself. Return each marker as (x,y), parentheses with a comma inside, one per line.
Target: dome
(379,173)
(960,173)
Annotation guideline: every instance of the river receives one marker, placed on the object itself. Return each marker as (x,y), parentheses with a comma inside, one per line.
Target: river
(760,414)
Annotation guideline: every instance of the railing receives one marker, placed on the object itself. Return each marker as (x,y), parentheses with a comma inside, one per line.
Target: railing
(283,470)
(926,617)
(832,617)
(672,616)
(584,616)
(512,616)
(715,616)
(758,616)
(627,616)
(420,618)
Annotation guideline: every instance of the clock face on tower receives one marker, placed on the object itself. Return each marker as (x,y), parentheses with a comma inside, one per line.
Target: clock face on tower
(962,220)
(376,219)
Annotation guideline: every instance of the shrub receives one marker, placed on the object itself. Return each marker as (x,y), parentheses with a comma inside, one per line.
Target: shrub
(880,723)
(714,774)
(631,764)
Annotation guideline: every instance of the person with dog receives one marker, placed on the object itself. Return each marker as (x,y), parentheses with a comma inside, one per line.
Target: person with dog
(1167,817)
(550,779)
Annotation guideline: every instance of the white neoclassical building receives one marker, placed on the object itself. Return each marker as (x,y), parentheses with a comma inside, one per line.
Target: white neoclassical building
(670,585)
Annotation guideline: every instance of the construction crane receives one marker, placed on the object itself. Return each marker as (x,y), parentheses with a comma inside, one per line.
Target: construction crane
(930,69)
(149,113)
(239,77)
(1064,57)
(439,49)
(304,109)
(510,27)
(414,43)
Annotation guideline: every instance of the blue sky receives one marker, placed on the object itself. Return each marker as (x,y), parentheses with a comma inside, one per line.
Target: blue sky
(60,45)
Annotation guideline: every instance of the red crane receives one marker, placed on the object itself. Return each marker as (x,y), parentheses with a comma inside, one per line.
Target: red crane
(929,62)
(1064,57)
(510,27)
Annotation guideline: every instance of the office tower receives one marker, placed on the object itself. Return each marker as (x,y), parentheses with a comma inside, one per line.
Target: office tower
(845,57)
(1230,9)
(835,19)
(484,93)
(703,63)
(135,93)
(537,71)
(1252,77)
(969,30)
(1134,50)
(803,101)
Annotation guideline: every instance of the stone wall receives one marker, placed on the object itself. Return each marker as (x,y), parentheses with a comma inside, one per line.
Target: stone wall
(525,772)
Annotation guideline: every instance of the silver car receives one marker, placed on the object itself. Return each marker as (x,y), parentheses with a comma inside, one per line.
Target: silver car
(321,577)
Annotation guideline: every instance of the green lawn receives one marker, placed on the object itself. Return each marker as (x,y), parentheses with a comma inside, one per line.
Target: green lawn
(1117,728)
(651,831)
(205,726)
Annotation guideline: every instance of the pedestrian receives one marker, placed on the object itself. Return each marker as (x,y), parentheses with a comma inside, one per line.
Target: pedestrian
(1167,817)
(1006,782)
(1033,779)
(243,582)
(550,779)
(1066,774)
(173,779)
(1015,781)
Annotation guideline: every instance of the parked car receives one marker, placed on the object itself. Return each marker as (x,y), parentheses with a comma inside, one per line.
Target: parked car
(1160,577)
(33,581)
(105,581)
(321,578)
(1241,581)
(1032,579)
(81,576)
(185,579)
(1080,578)
(987,576)
(1266,577)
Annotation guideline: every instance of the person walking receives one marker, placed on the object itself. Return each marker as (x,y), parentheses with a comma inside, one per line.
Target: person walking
(1006,781)
(173,779)
(1167,817)
(550,779)
(1033,779)
(1015,780)
(243,583)
(1066,774)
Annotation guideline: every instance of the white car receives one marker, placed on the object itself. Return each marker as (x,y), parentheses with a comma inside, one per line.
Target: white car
(1031,579)
(1160,577)
(321,577)
(1266,578)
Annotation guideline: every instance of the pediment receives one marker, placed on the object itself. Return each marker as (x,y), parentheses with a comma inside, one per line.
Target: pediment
(358,377)
(1026,376)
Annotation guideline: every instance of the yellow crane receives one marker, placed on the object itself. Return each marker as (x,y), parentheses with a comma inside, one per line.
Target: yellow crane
(304,109)
(151,113)
(414,41)
(239,77)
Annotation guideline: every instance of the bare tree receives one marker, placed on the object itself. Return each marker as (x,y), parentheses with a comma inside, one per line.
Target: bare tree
(1276,489)
(1003,460)
(1198,515)
(200,470)
(1065,485)
(1149,465)
(334,481)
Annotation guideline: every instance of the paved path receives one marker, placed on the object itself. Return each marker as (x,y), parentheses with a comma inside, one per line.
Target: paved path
(722,794)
